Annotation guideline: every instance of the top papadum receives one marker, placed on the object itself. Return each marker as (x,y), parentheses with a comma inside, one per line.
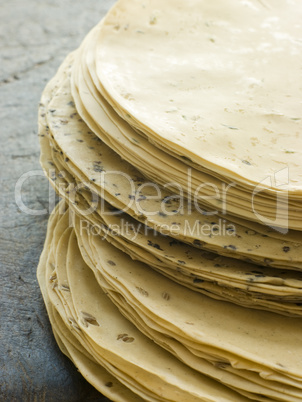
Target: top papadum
(217,83)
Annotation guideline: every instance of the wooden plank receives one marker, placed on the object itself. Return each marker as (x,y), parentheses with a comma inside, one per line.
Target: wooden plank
(35,38)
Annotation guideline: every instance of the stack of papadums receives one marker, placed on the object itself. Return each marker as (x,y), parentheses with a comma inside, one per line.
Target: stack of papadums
(172,267)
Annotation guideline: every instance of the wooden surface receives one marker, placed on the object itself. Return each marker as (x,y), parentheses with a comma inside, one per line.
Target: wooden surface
(35,36)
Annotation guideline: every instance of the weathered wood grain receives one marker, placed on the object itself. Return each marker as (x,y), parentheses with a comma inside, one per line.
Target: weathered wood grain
(35,36)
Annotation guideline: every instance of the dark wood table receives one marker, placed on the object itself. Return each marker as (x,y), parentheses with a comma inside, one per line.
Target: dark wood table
(35,36)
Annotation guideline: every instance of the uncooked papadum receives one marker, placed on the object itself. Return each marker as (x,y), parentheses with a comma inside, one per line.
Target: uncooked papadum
(171,269)
(213,81)
(203,271)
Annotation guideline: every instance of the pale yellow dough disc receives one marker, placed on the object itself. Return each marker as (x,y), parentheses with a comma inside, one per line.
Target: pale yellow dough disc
(87,314)
(103,381)
(258,287)
(96,324)
(162,167)
(89,159)
(213,81)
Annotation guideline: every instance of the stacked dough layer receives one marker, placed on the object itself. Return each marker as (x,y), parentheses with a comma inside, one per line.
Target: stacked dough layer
(147,303)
